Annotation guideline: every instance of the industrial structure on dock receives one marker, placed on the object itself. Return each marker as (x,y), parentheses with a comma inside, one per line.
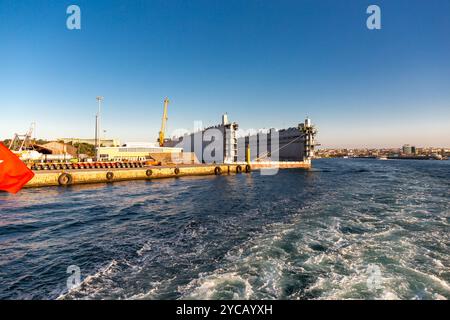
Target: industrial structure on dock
(134,153)
(216,144)
(291,144)
(223,143)
(214,150)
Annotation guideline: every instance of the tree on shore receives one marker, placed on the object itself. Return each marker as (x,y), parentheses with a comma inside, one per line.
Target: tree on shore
(85,148)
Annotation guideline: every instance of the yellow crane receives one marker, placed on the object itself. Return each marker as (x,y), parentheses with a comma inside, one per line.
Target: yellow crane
(163,124)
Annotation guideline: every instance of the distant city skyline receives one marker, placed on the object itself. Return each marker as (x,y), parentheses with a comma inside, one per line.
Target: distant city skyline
(266,63)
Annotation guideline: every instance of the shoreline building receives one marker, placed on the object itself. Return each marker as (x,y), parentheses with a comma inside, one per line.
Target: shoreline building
(103,142)
(409,149)
(137,153)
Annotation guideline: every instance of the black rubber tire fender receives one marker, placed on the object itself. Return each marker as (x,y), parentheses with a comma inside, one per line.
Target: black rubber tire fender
(65,179)
(238,169)
(217,171)
(177,171)
(110,176)
(149,172)
(248,168)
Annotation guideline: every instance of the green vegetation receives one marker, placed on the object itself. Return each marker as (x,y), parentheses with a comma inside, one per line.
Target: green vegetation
(85,148)
(40,141)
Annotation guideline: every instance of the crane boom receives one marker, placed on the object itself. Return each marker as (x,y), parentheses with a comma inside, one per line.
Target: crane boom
(163,124)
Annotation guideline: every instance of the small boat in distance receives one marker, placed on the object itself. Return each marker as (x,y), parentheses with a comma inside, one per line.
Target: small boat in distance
(382,158)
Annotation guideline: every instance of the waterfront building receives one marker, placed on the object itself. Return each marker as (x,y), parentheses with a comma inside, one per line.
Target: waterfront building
(407,149)
(126,153)
(103,142)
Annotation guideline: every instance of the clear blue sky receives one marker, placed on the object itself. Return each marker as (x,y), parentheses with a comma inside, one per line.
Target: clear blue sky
(266,63)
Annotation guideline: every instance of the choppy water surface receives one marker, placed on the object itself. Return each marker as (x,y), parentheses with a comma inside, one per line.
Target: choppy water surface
(347,229)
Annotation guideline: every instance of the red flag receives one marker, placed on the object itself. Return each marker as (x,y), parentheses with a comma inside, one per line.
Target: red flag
(14,174)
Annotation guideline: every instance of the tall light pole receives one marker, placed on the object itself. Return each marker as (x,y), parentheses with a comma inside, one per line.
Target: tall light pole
(97,126)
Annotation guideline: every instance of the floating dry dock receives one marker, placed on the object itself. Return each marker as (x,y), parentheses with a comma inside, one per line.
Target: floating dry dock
(83,176)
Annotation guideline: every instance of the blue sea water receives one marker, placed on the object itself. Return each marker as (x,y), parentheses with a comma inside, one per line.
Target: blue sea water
(347,229)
